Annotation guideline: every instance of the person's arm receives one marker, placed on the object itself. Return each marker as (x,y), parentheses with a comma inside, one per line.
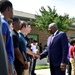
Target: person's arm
(9,69)
(31,53)
(19,55)
(4,38)
(17,52)
(44,53)
(4,32)
(74,52)
(65,48)
(74,55)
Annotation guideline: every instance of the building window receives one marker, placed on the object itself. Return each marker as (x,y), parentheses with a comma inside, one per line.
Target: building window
(34,36)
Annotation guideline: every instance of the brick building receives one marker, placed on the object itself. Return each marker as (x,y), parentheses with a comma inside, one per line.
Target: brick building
(71,31)
(41,36)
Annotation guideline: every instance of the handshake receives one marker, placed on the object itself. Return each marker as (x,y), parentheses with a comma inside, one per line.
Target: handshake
(36,56)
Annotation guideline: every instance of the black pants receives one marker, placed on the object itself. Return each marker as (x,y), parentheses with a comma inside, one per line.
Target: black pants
(33,67)
(69,68)
(56,70)
(19,68)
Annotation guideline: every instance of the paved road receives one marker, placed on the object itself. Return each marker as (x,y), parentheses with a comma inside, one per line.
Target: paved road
(44,72)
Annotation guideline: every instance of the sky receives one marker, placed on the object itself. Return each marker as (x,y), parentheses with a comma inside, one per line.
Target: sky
(33,6)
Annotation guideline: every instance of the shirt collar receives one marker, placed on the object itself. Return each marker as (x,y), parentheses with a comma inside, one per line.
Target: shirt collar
(55,32)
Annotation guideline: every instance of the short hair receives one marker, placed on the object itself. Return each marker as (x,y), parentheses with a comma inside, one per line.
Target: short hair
(4,5)
(15,19)
(72,41)
(24,24)
(34,40)
(10,21)
(53,25)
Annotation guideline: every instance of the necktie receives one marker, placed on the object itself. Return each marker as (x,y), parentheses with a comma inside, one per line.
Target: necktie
(52,39)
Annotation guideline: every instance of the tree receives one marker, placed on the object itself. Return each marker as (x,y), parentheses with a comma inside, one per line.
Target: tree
(42,21)
(73,19)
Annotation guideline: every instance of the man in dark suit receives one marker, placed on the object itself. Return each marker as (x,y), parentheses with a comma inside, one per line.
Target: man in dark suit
(57,50)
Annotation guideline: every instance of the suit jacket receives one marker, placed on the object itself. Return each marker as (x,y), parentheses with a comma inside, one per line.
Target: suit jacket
(57,51)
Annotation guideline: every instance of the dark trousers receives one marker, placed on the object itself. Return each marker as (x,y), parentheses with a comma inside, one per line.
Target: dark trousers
(56,70)
(33,67)
(19,68)
(69,68)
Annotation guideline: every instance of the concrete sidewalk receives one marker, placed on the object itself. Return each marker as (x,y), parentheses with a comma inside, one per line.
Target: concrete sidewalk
(44,72)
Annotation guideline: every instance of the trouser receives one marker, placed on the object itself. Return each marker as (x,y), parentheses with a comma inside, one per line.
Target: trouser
(56,70)
(26,72)
(69,68)
(19,68)
(33,66)
(72,60)
(19,71)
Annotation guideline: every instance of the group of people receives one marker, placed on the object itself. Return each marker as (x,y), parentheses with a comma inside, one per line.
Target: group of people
(18,46)
(71,57)
(14,35)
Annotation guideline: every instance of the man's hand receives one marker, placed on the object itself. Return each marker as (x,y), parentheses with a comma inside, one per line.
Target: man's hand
(37,56)
(15,73)
(63,66)
(9,69)
(26,65)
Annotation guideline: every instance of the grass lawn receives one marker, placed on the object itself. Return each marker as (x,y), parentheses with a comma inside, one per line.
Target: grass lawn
(41,66)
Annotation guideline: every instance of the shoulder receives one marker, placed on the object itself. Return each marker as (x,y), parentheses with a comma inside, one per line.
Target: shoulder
(72,47)
(21,38)
(62,33)
(5,27)
(4,23)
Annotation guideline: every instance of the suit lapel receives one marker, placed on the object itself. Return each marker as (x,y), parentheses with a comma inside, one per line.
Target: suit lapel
(55,37)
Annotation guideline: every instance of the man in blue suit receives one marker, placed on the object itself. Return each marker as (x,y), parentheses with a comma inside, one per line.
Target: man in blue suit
(57,50)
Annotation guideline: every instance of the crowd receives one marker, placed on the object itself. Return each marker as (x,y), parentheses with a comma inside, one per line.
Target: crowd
(22,51)
(71,57)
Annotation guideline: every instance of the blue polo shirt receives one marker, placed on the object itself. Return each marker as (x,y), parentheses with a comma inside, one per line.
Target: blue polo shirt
(22,43)
(9,43)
